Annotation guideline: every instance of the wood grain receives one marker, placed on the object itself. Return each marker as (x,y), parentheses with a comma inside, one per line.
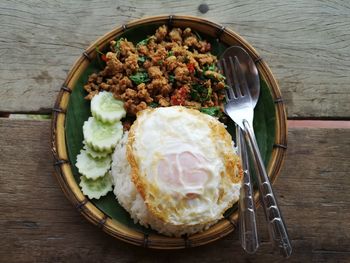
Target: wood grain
(306,43)
(38,224)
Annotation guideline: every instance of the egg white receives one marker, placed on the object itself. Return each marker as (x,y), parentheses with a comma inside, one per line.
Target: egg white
(206,185)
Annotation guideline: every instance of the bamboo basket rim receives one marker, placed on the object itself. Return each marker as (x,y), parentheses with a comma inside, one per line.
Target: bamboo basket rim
(62,166)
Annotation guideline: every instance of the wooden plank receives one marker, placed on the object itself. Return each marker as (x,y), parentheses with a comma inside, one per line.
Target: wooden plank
(305,42)
(37,223)
(318,124)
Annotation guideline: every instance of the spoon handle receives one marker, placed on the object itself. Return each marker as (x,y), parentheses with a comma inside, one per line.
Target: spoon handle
(276,226)
(248,233)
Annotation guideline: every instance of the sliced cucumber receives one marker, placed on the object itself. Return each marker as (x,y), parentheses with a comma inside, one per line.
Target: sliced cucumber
(106,108)
(94,154)
(96,188)
(90,167)
(102,136)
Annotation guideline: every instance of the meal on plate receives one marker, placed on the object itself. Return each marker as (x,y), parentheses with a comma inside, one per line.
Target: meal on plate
(173,167)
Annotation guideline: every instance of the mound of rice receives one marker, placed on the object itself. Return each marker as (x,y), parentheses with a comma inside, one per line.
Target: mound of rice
(131,200)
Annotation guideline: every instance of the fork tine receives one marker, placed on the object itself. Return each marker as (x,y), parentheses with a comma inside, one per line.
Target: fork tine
(241,78)
(228,73)
(235,77)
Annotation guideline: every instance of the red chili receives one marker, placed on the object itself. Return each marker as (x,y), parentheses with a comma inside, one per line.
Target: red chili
(190,67)
(175,100)
(179,97)
(104,58)
(183,92)
(156,59)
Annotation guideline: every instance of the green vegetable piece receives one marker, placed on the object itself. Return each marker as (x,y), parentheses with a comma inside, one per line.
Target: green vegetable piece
(171,78)
(143,42)
(221,77)
(199,88)
(210,91)
(194,95)
(106,108)
(94,154)
(170,53)
(200,93)
(102,136)
(96,188)
(98,50)
(142,59)
(153,104)
(140,77)
(90,167)
(212,111)
(211,67)
(117,45)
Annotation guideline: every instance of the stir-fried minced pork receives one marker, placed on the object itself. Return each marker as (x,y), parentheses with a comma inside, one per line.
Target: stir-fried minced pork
(171,67)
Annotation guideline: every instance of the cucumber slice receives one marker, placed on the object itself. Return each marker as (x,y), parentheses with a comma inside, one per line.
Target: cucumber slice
(96,188)
(102,137)
(109,151)
(90,167)
(106,108)
(94,154)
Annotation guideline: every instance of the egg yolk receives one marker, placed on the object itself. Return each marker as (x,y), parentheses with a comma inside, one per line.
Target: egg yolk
(183,170)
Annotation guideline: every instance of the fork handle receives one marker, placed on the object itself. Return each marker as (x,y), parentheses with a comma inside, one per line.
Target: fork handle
(276,226)
(248,233)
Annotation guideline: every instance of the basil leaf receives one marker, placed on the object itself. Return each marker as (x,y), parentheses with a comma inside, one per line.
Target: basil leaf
(143,42)
(199,88)
(171,78)
(140,77)
(141,59)
(212,111)
(211,67)
(194,95)
(98,50)
(200,93)
(210,91)
(117,45)
(153,104)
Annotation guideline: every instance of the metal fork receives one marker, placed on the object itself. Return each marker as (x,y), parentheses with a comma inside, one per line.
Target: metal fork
(240,109)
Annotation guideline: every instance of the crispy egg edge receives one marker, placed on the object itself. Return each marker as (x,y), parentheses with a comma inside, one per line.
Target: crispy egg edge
(233,166)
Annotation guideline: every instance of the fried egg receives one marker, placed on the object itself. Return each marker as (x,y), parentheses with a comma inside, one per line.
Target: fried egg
(184,165)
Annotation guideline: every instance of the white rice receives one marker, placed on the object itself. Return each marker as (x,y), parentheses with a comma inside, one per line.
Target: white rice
(132,201)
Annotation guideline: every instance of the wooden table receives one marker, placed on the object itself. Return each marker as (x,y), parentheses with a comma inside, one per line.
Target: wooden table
(306,43)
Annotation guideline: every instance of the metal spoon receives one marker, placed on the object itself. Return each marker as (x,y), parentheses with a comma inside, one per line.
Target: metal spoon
(248,234)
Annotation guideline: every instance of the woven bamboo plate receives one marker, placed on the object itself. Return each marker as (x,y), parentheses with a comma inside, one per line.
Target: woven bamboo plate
(70,111)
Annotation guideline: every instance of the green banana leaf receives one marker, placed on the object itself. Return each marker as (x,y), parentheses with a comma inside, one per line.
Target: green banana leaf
(79,110)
